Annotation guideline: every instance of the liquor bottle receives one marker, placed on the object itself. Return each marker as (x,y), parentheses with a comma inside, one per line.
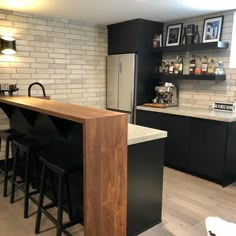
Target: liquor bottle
(171,68)
(196,36)
(186,64)
(220,69)
(211,67)
(180,63)
(176,66)
(198,69)
(162,67)
(184,37)
(204,65)
(192,65)
(190,33)
(167,65)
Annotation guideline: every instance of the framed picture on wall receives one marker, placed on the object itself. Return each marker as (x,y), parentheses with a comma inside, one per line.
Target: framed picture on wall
(212,29)
(173,34)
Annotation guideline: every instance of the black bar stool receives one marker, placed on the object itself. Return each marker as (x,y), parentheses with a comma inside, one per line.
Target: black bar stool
(61,166)
(8,136)
(27,149)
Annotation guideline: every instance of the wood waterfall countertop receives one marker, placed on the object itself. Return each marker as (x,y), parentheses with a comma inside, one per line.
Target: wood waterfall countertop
(63,110)
(104,153)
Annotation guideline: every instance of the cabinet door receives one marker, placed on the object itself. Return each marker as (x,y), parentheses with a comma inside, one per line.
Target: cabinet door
(176,146)
(148,119)
(207,148)
(177,141)
(123,37)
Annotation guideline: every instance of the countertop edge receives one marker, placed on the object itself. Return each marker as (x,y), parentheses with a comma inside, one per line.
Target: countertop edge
(200,113)
(139,134)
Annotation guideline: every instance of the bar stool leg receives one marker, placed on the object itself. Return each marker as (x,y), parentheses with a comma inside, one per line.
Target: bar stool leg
(68,196)
(13,185)
(26,197)
(40,203)
(60,209)
(6,169)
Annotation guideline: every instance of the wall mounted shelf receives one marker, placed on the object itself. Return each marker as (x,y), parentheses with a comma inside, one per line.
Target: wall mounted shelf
(193,47)
(171,77)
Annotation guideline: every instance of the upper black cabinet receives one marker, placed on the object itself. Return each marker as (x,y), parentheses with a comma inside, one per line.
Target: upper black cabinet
(193,47)
(134,36)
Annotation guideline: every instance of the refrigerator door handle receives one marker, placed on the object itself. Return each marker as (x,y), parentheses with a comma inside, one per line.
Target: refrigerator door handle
(120,67)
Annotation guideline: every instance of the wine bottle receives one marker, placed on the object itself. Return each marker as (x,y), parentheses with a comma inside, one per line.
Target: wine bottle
(171,68)
(204,65)
(184,37)
(198,69)
(196,36)
(211,67)
(192,66)
(180,68)
(176,67)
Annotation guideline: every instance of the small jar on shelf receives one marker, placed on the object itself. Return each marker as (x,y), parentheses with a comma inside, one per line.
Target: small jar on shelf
(220,69)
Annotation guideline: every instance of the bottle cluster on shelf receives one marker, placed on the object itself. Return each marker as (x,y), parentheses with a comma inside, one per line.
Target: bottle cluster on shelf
(195,66)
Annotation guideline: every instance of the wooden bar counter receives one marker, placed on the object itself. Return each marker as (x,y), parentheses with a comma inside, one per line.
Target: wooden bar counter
(99,137)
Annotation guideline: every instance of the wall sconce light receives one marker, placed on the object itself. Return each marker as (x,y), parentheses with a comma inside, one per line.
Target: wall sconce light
(8,45)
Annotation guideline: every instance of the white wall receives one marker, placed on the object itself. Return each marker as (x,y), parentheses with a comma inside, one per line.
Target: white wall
(204,93)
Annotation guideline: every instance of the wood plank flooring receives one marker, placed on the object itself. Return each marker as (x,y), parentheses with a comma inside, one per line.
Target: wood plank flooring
(187,201)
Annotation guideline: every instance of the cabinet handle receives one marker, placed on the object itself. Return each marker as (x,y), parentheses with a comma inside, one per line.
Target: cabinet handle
(120,67)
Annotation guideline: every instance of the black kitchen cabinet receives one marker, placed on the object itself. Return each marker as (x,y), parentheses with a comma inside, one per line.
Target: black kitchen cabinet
(202,147)
(148,119)
(133,36)
(176,146)
(145,184)
(207,147)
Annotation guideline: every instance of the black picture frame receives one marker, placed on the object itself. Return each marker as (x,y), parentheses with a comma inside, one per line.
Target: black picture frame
(212,29)
(173,34)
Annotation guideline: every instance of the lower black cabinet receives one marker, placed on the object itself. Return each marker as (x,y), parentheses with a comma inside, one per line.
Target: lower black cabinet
(202,147)
(148,119)
(207,148)
(177,142)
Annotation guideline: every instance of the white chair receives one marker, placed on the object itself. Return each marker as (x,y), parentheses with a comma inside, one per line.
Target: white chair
(217,227)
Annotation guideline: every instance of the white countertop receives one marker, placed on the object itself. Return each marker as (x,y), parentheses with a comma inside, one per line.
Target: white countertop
(194,112)
(140,134)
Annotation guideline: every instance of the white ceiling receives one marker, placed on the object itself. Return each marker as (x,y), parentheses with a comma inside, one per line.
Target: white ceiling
(112,11)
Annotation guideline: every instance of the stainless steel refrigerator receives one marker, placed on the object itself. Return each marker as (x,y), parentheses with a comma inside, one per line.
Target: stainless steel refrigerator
(121,84)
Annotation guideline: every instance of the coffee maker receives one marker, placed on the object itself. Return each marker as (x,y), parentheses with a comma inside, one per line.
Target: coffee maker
(166,94)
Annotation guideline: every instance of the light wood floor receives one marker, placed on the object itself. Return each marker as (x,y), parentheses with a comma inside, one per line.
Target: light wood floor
(187,201)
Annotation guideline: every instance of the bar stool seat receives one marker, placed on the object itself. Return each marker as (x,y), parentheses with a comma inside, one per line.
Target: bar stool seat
(8,135)
(61,166)
(28,149)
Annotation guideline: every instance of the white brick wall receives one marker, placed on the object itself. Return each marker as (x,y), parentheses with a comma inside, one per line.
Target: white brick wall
(204,93)
(68,57)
